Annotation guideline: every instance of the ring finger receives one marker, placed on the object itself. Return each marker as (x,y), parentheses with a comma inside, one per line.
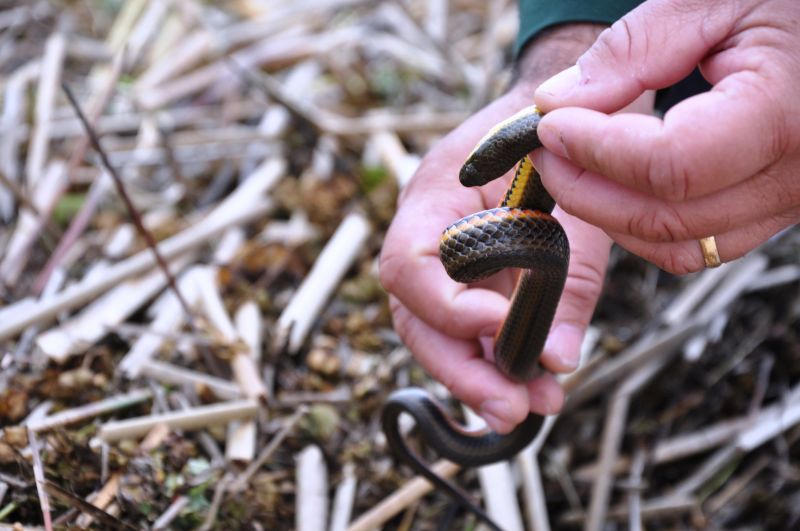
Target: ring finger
(687,257)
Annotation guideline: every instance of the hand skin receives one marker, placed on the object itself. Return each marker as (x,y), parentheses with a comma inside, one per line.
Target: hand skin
(450,326)
(724,163)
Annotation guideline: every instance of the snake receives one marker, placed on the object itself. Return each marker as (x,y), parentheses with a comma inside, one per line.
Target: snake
(520,232)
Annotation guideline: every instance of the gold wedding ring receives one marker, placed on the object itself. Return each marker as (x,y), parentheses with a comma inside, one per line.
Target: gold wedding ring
(710,253)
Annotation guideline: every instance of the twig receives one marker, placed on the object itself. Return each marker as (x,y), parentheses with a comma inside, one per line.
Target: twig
(132,210)
(71,499)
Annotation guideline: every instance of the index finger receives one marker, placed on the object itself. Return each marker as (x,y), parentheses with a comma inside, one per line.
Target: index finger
(705,143)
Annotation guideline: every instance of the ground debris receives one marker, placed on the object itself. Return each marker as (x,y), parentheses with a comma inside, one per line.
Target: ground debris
(263,145)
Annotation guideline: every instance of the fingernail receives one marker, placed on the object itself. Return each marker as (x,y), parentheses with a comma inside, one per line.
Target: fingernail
(564,344)
(561,83)
(495,412)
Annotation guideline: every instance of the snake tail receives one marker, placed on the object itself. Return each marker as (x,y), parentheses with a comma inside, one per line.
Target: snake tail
(450,441)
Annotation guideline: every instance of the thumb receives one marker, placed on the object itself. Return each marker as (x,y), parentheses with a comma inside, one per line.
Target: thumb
(652,47)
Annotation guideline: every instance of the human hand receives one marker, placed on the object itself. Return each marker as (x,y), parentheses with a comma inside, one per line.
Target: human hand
(450,326)
(722,163)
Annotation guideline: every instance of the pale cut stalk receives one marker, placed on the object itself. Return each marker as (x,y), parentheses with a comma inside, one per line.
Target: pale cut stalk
(13,130)
(27,229)
(613,432)
(168,373)
(271,50)
(243,205)
(189,419)
(312,490)
(101,499)
(169,318)
(172,512)
(395,157)
(294,232)
(686,445)
(408,494)
(533,494)
(228,245)
(436,20)
(243,364)
(130,121)
(49,82)
(497,485)
(196,47)
(113,308)
(105,498)
(213,307)
(344,498)
(777,276)
(93,409)
(339,253)
(241,440)
(666,506)
(124,23)
(249,325)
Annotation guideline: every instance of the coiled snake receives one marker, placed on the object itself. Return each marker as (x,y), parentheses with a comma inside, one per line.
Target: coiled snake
(519,233)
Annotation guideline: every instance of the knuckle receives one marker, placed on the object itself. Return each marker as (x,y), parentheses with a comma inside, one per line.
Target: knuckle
(584,283)
(665,172)
(660,224)
(614,43)
(678,260)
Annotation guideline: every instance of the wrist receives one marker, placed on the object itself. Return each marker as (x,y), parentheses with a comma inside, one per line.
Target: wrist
(550,52)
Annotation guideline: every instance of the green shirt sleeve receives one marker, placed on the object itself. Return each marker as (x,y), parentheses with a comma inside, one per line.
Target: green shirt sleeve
(537,15)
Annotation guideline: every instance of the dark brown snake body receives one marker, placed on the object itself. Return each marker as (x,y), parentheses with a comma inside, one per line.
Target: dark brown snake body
(519,233)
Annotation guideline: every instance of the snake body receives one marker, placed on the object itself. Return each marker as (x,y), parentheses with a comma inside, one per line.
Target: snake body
(519,233)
